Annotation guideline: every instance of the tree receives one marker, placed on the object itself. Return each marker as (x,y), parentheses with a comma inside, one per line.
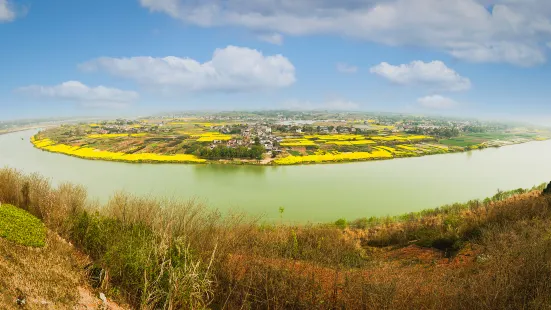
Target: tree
(256,141)
(309,129)
(341,223)
(221,151)
(25,192)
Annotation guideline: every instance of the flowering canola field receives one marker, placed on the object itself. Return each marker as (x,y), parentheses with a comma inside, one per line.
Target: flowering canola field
(329,157)
(402,138)
(90,153)
(407,147)
(361,142)
(297,142)
(211,136)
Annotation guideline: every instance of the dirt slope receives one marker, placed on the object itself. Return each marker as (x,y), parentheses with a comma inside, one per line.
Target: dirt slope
(45,278)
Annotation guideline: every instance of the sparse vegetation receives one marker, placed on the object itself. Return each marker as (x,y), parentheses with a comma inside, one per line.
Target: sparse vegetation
(46,278)
(167,254)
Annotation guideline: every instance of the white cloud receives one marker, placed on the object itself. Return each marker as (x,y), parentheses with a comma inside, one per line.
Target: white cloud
(510,31)
(273,38)
(7,14)
(435,75)
(437,102)
(230,69)
(77,92)
(346,68)
(334,104)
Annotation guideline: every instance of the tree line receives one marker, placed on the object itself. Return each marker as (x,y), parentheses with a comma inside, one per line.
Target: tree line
(224,152)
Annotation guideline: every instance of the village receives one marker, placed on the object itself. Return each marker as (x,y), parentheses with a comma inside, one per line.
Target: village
(271,130)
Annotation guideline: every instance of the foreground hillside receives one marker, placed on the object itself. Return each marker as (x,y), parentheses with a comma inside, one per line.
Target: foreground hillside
(40,270)
(491,254)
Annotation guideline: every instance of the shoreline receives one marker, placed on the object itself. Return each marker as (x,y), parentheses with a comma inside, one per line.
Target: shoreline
(271,163)
(23,129)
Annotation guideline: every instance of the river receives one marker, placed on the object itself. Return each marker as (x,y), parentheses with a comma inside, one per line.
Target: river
(310,193)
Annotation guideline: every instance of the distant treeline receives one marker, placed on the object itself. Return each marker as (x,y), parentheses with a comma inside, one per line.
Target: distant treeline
(224,152)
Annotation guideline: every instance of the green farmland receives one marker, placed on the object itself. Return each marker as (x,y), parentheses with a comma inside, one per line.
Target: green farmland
(478,138)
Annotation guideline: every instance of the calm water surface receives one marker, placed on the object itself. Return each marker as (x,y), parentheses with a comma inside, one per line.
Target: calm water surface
(310,193)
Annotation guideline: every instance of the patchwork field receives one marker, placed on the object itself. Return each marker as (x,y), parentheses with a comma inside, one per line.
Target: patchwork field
(196,140)
(476,139)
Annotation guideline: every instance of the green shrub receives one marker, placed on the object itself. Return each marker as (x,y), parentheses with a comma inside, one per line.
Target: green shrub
(341,223)
(151,270)
(21,227)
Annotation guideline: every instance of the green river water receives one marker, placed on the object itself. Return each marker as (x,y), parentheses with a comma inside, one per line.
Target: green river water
(310,193)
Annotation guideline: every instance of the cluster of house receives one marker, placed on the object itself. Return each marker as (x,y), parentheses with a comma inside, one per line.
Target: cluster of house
(429,125)
(249,136)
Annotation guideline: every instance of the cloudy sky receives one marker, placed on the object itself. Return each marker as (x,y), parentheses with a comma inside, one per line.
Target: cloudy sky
(453,57)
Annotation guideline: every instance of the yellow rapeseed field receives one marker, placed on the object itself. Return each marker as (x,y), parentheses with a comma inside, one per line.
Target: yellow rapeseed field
(396,152)
(339,157)
(339,142)
(211,136)
(407,147)
(90,153)
(381,127)
(386,148)
(361,142)
(401,138)
(297,142)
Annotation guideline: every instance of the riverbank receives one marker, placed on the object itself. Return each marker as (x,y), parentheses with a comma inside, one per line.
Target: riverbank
(421,260)
(379,153)
(5,132)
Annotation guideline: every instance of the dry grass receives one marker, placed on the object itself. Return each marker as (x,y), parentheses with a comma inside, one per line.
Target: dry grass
(163,254)
(47,277)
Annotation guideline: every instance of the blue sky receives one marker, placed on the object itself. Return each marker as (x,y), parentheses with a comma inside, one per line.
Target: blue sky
(134,57)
